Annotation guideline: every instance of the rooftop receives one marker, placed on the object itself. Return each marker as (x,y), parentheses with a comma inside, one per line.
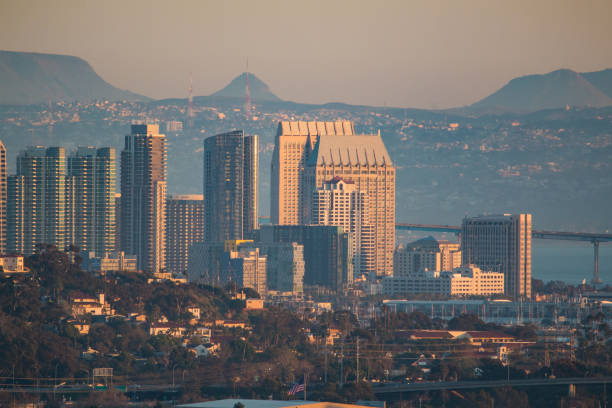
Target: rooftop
(355,150)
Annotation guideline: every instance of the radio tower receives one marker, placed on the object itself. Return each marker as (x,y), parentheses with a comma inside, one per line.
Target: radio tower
(247,94)
(190,113)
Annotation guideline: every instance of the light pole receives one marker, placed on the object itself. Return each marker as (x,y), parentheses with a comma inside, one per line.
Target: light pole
(55,381)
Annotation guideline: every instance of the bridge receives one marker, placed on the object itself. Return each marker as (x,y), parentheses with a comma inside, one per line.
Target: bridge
(593,238)
(459,385)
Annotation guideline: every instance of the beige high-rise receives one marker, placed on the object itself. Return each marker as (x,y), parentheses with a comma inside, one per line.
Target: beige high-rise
(293,146)
(362,159)
(307,154)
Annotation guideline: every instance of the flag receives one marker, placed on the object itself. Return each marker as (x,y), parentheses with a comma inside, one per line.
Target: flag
(295,388)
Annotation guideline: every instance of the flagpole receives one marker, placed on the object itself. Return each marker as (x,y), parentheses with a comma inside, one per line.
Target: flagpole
(304,386)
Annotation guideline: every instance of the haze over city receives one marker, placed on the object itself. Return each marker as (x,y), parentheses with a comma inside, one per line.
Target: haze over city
(424,54)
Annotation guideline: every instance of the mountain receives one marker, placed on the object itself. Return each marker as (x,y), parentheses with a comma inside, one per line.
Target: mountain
(31,78)
(601,79)
(548,91)
(258,89)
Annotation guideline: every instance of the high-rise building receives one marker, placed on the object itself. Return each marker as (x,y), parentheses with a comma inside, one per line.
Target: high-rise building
(339,203)
(364,161)
(36,207)
(327,252)
(230,186)
(426,254)
(3,198)
(184,227)
(143,197)
(500,243)
(284,264)
(90,200)
(118,222)
(222,263)
(293,146)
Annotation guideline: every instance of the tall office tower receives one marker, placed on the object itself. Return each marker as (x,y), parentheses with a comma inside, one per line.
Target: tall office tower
(327,252)
(292,148)
(36,200)
(339,203)
(90,200)
(500,243)
(427,253)
(143,197)
(363,160)
(3,198)
(184,227)
(230,186)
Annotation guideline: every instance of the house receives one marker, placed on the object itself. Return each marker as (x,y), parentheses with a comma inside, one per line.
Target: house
(81,326)
(13,265)
(170,329)
(254,304)
(83,304)
(195,311)
(204,350)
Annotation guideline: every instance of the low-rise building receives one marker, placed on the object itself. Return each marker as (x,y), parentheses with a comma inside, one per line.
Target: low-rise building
(167,328)
(13,265)
(112,262)
(83,304)
(463,281)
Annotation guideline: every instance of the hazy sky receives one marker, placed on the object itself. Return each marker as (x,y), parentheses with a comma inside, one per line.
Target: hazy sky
(430,54)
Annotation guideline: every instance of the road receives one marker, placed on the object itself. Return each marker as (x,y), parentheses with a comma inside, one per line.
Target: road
(457,385)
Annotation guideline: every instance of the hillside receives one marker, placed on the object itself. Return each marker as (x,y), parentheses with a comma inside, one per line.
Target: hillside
(601,79)
(548,91)
(31,78)
(258,89)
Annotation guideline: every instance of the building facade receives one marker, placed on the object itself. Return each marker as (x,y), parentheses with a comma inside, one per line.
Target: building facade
(36,196)
(90,199)
(143,197)
(500,243)
(463,281)
(3,198)
(339,203)
(427,253)
(364,161)
(327,252)
(293,146)
(284,265)
(230,186)
(184,227)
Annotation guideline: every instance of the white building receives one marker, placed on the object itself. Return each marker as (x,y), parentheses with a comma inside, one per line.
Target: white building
(427,253)
(463,281)
(339,203)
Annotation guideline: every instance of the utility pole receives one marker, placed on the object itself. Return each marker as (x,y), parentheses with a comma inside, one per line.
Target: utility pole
(357,357)
(342,363)
(325,361)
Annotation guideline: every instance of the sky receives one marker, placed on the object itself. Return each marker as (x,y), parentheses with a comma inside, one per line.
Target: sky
(405,53)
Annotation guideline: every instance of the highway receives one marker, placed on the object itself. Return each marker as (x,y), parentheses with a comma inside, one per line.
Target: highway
(458,385)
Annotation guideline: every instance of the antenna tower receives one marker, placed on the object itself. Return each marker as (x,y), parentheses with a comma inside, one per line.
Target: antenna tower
(190,113)
(247,94)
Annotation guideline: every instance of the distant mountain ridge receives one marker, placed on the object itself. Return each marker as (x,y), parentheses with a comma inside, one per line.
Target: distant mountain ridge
(32,78)
(549,91)
(258,89)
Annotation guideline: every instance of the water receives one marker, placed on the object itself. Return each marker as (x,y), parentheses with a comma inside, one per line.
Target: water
(570,262)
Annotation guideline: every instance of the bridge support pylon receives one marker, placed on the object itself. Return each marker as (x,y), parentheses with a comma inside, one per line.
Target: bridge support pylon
(596,280)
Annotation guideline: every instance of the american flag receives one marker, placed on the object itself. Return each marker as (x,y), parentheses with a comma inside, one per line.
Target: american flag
(295,388)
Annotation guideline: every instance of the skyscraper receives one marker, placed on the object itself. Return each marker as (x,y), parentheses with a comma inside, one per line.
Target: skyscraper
(500,243)
(230,186)
(143,196)
(184,227)
(37,200)
(364,161)
(292,148)
(3,198)
(339,203)
(90,200)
